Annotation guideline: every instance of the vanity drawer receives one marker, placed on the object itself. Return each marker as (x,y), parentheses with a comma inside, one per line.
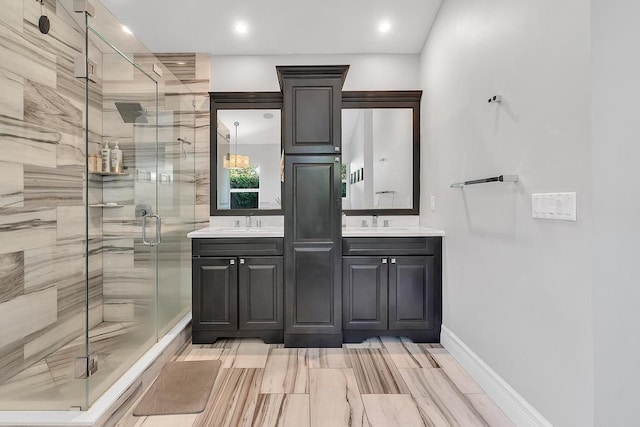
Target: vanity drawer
(237,246)
(391,245)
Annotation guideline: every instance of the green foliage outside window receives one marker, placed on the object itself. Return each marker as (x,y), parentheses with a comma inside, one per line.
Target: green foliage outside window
(244,178)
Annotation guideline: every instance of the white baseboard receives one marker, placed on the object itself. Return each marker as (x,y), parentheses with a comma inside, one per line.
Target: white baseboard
(511,403)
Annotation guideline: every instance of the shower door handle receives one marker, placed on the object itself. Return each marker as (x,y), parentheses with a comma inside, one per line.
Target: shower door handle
(158,230)
(144,231)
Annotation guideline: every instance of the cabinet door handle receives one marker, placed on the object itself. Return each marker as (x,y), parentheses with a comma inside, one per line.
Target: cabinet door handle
(336,149)
(241,261)
(393,260)
(232,262)
(384,260)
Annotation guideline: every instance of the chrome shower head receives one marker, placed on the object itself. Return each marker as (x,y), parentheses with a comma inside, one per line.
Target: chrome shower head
(131,112)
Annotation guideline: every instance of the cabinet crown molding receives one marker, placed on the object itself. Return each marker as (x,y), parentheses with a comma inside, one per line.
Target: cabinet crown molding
(311,72)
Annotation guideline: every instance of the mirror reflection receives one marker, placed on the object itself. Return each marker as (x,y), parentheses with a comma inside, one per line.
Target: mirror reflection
(377,156)
(248,159)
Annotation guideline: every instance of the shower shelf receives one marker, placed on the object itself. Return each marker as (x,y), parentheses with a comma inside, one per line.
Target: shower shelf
(104,205)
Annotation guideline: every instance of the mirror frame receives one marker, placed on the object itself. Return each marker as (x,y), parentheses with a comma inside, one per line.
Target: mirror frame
(350,99)
(237,101)
(391,99)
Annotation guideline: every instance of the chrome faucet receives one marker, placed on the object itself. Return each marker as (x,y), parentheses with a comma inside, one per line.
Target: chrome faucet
(374,221)
(247,221)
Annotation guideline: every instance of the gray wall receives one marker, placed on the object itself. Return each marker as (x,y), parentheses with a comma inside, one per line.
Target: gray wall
(517,291)
(616,210)
(258,73)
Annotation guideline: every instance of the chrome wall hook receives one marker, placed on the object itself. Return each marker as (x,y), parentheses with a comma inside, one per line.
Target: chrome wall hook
(495,98)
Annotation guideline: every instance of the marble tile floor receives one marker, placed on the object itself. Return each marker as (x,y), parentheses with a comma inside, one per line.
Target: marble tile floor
(52,378)
(385,381)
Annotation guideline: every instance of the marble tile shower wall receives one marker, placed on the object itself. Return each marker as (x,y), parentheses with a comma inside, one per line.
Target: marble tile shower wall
(42,261)
(42,157)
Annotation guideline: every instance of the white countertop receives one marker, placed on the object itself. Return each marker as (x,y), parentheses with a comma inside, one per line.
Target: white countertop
(226,232)
(408,231)
(218,232)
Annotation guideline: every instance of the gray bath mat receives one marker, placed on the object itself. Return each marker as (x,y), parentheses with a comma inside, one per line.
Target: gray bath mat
(181,388)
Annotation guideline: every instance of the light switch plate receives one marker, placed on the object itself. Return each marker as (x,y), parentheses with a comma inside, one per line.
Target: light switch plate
(560,206)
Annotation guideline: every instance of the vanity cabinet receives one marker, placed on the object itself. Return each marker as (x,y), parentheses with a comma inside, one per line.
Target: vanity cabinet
(237,289)
(392,286)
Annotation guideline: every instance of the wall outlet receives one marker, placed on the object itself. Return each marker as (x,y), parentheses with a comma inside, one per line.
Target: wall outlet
(560,206)
(433,203)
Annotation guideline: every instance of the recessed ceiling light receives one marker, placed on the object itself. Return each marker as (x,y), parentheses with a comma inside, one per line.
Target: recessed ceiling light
(241,27)
(384,26)
(127,30)
(181,63)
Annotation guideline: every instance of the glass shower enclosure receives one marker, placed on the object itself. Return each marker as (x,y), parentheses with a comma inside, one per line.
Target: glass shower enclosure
(132,267)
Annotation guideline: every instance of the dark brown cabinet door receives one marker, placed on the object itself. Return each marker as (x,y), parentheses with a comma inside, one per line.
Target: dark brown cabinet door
(313,247)
(412,292)
(312,112)
(215,293)
(364,293)
(260,288)
(312,108)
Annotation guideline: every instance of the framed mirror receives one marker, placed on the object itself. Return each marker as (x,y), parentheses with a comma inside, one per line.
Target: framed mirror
(245,159)
(381,152)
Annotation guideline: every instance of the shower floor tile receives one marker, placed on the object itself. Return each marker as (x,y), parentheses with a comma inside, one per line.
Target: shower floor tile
(54,375)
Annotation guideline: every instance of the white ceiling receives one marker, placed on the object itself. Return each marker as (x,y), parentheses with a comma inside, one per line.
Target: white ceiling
(278,27)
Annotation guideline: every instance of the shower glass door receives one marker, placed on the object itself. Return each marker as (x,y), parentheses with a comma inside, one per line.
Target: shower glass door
(147,210)
(123,212)
(176,196)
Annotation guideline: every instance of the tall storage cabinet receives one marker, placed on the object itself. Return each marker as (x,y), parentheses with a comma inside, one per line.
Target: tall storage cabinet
(312,111)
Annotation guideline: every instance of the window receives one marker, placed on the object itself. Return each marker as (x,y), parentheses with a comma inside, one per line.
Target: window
(244,191)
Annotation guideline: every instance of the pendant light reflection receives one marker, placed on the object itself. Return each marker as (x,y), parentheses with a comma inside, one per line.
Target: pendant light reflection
(236,161)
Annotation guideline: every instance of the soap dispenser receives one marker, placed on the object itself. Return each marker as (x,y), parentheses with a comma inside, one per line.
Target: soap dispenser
(106,157)
(116,159)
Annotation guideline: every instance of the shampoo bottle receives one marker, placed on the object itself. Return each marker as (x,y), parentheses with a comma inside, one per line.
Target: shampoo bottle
(116,159)
(106,157)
